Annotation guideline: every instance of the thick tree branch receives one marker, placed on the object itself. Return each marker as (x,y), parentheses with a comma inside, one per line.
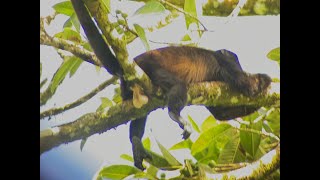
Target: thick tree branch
(78,102)
(203,93)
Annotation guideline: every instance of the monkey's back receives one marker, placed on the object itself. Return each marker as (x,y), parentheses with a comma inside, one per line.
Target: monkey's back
(189,64)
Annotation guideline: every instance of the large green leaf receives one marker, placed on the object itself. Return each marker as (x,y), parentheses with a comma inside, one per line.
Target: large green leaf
(64,8)
(142,35)
(228,153)
(182,145)
(208,137)
(194,124)
(107,5)
(69,34)
(274,55)
(151,7)
(158,160)
(250,141)
(63,70)
(118,171)
(209,123)
(168,156)
(190,7)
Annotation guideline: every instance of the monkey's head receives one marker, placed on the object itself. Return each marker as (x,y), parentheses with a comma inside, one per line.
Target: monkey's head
(258,84)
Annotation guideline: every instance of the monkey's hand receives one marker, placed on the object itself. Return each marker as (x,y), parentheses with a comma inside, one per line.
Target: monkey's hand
(139,153)
(187,130)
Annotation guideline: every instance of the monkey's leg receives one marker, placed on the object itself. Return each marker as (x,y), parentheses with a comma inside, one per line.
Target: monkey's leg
(228,113)
(136,132)
(177,97)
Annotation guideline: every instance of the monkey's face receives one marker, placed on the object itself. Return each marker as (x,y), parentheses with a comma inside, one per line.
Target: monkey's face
(258,84)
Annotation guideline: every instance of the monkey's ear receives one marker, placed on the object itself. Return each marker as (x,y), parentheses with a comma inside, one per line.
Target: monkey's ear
(230,56)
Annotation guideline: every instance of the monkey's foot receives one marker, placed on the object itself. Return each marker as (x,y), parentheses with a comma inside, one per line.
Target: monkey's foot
(186,132)
(139,153)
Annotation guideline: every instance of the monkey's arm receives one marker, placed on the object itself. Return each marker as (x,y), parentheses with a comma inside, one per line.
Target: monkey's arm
(99,46)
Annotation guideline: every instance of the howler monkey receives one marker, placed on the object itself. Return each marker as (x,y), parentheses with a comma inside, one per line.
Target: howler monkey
(173,69)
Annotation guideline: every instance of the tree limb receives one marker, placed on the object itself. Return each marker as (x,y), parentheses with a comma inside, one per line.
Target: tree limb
(78,102)
(75,49)
(92,123)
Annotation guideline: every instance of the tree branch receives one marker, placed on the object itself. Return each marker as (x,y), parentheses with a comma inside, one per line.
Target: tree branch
(75,49)
(203,93)
(78,102)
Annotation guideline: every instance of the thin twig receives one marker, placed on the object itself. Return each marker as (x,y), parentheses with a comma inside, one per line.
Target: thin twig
(182,11)
(78,102)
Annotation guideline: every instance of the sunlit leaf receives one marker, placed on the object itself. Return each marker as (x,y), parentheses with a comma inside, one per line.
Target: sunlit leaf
(168,156)
(274,55)
(152,171)
(75,22)
(69,34)
(106,3)
(142,35)
(182,145)
(190,7)
(273,120)
(146,143)
(158,160)
(118,171)
(83,142)
(208,136)
(194,124)
(151,7)
(127,157)
(250,141)
(228,153)
(63,70)
(105,102)
(75,66)
(68,23)
(208,123)
(64,8)
(143,175)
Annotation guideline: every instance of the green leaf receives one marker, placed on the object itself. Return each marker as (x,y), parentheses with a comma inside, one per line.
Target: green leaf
(142,35)
(151,7)
(190,7)
(146,143)
(63,70)
(158,160)
(105,102)
(194,124)
(107,5)
(118,171)
(168,156)
(273,120)
(83,142)
(208,137)
(152,171)
(250,141)
(127,157)
(274,55)
(75,67)
(69,34)
(75,22)
(228,153)
(68,23)
(143,175)
(64,8)
(182,145)
(208,123)
(186,38)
